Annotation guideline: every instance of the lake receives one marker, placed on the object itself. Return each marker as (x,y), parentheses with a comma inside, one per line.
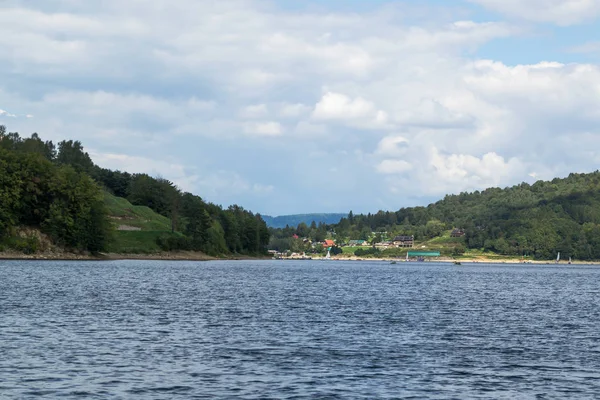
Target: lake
(297,329)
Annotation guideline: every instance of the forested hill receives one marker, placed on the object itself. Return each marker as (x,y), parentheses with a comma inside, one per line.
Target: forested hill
(59,191)
(294,220)
(540,220)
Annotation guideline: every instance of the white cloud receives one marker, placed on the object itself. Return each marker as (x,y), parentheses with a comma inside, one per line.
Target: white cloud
(263,129)
(394,167)
(297,110)
(356,112)
(6,114)
(561,12)
(392,146)
(339,106)
(397,103)
(255,111)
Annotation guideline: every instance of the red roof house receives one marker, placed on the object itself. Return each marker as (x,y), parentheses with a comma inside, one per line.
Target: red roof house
(328,243)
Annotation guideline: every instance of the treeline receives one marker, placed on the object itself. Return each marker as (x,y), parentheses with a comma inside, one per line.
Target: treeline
(58,188)
(35,191)
(293,238)
(537,220)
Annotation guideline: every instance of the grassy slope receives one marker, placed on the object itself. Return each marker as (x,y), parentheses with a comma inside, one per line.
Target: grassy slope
(152,226)
(124,213)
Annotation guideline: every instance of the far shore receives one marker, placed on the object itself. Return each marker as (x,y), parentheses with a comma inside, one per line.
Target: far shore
(197,256)
(474,260)
(167,256)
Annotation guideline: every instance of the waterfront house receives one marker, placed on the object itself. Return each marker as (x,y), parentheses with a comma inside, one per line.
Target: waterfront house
(404,241)
(328,243)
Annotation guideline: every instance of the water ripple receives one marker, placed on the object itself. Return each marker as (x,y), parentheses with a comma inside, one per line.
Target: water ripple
(294,330)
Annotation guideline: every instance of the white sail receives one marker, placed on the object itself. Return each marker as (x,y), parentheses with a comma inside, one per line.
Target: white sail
(558,257)
(407,256)
(328,256)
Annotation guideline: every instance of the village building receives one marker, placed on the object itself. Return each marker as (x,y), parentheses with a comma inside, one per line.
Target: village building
(328,243)
(457,233)
(356,243)
(384,245)
(404,241)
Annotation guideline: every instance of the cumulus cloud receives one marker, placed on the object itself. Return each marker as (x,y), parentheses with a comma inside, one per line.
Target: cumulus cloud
(394,166)
(297,110)
(339,106)
(255,111)
(212,84)
(357,111)
(263,129)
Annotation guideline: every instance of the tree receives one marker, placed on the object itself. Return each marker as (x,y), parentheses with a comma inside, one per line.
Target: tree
(72,153)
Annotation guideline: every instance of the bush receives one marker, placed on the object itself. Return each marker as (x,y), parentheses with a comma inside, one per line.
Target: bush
(26,245)
(367,252)
(335,250)
(458,251)
(173,243)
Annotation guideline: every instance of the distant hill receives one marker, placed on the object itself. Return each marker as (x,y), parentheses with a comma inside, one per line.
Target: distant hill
(539,220)
(294,220)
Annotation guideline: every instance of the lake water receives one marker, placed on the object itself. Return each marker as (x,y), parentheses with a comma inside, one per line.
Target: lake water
(306,329)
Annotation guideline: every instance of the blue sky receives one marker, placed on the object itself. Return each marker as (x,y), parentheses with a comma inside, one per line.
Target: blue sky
(311,106)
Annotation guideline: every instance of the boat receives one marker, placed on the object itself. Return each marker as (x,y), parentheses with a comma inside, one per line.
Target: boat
(328,256)
(406,257)
(558,258)
(457,263)
(569,260)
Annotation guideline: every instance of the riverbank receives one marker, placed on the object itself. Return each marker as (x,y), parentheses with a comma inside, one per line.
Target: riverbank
(198,256)
(474,260)
(165,256)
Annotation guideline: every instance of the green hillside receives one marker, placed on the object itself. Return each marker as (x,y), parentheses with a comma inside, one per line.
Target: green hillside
(58,191)
(125,215)
(122,212)
(539,220)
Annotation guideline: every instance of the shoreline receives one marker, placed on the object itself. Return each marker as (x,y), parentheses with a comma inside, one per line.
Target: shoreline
(197,256)
(170,256)
(476,260)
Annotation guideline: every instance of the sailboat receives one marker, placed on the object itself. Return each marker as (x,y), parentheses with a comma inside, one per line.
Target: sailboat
(328,256)
(406,256)
(558,257)
(569,260)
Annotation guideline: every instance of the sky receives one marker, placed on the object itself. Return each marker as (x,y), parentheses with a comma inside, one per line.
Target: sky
(294,106)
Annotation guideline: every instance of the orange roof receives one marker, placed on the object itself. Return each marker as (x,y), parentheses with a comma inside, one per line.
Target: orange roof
(329,243)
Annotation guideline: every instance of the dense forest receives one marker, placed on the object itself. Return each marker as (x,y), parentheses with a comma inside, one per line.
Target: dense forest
(537,220)
(60,191)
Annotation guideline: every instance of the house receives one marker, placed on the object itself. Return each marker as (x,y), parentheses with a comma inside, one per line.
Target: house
(356,243)
(404,241)
(457,233)
(328,243)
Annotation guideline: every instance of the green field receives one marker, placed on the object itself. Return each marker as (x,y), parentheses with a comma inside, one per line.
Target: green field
(152,226)
(349,251)
(122,212)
